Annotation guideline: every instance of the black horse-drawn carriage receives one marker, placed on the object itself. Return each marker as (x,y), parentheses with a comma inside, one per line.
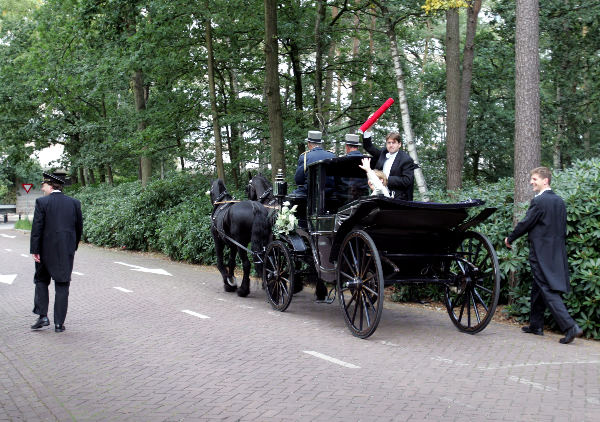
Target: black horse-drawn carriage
(365,243)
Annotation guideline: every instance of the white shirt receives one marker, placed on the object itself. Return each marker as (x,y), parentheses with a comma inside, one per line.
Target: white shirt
(387,166)
(543,190)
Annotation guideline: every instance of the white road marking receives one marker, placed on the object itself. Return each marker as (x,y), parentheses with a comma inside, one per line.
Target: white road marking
(535,385)
(145,270)
(448,399)
(246,307)
(450,361)
(6,235)
(593,400)
(123,289)
(25,256)
(8,250)
(196,314)
(387,343)
(8,278)
(524,365)
(330,359)
(222,300)
(78,273)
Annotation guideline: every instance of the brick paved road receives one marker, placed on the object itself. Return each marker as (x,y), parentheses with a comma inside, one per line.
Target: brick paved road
(132,354)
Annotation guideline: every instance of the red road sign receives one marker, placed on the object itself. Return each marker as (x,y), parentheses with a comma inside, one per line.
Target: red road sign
(27,186)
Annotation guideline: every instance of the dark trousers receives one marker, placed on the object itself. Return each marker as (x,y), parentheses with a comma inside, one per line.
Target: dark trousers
(543,296)
(42,299)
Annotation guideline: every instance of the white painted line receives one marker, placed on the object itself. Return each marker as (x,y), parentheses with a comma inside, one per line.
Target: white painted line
(123,289)
(524,365)
(196,314)
(330,359)
(593,400)
(25,256)
(78,273)
(222,300)
(448,399)
(8,278)
(6,235)
(8,250)
(534,385)
(145,270)
(246,307)
(387,343)
(450,361)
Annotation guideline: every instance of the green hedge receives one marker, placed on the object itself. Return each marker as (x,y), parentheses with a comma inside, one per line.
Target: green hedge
(173,216)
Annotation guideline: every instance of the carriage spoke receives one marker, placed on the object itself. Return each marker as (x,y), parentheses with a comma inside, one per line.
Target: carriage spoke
(373,292)
(365,310)
(347,276)
(485,289)
(349,264)
(475,309)
(476,294)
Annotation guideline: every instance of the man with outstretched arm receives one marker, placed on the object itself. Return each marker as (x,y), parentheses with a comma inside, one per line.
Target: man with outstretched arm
(395,164)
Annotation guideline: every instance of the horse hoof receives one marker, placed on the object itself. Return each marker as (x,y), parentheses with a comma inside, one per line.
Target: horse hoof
(229,288)
(243,292)
(298,286)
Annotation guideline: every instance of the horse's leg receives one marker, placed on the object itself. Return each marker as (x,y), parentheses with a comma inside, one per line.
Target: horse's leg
(219,249)
(231,265)
(244,289)
(320,289)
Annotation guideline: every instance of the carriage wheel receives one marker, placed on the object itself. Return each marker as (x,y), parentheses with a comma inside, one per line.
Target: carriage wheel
(278,275)
(360,283)
(471,301)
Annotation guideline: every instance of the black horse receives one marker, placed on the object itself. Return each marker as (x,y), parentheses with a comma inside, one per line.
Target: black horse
(260,189)
(243,221)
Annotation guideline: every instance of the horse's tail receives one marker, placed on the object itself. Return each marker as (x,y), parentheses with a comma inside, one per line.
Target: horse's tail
(261,232)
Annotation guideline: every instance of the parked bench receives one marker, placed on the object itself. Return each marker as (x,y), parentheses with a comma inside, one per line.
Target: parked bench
(5,209)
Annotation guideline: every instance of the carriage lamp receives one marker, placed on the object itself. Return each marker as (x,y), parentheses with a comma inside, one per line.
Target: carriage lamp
(280,187)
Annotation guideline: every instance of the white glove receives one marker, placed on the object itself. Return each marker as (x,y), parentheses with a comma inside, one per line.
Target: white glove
(367,134)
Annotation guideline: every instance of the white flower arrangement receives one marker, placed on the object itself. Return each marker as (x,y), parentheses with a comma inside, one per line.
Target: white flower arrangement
(286,220)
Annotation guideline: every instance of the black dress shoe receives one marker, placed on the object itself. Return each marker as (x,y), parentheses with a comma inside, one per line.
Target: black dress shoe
(59,328)
(571,333)
(529,329)
(41,322)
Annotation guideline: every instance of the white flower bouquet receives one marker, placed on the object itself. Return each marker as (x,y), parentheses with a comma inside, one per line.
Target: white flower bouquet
(286,220)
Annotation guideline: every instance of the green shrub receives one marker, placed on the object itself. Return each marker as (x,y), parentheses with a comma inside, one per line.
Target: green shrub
(23,224)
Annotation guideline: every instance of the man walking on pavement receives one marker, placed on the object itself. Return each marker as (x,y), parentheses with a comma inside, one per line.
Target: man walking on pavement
(546,226)
(55,234)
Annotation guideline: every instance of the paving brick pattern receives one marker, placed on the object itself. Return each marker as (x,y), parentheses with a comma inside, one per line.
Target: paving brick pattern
(137,357)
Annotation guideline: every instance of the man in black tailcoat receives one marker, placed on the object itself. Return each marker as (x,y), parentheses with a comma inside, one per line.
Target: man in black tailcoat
(55,234)
(546,226)
(395,164)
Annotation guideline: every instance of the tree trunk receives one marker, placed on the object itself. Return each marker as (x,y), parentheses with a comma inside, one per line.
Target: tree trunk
(213,103)
(406,124)
(140,97)
(272,87)
(527,98)
(82,180)
(101,174)
(234,141)
(320,17)
(109,175)
(467,69)
(297,75)
(328,94)
(527,105)
(454,152)
(560,132)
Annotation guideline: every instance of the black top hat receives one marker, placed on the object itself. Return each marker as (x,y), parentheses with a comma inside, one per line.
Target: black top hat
(52,178)
(352,140)
(315,137)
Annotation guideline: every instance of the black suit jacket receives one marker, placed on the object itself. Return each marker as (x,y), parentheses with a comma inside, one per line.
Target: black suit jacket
(401,180)
(56,232)
(546,226)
